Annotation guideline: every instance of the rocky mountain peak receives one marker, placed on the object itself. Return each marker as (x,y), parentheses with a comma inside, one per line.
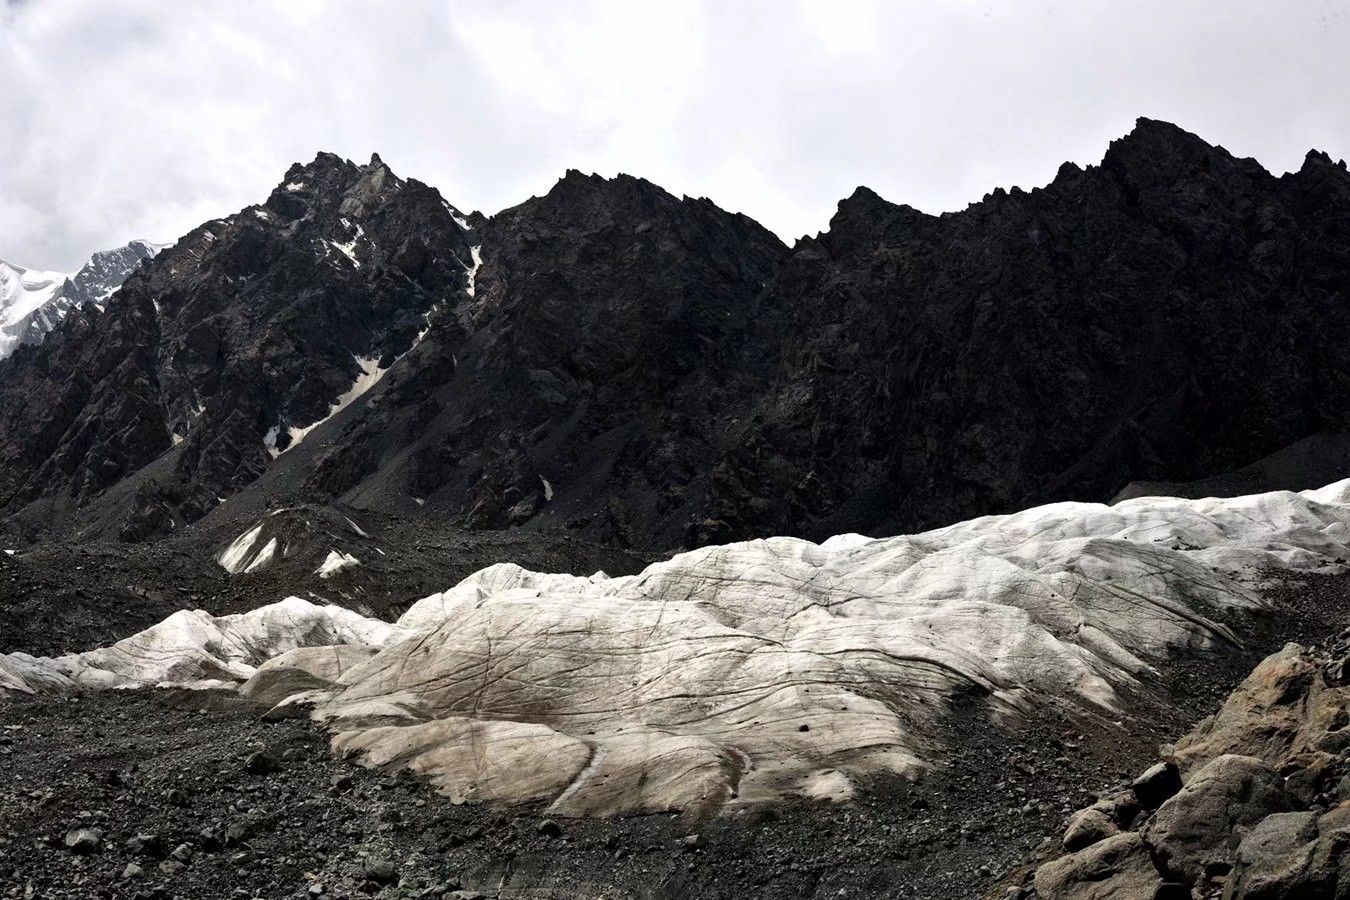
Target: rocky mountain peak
(863,216)
(34,303)
(250,331)
(595,200)
(1158,154)
(648,370)
(333,185)
(1316,160)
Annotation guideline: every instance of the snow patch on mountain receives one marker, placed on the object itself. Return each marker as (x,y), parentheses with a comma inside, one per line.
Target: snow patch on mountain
(477,255)
(371,373)
(263,556)
(22,292)
(456,215)
(236,557)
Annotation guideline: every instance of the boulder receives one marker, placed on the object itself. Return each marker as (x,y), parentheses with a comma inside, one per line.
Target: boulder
(84,841)
(1274,859)
(1156,785)
(261,762)
(1121,808)
(1309,775)
(380,871)
(1117,868)
(1087,827)
(1282,708)
(1194,834)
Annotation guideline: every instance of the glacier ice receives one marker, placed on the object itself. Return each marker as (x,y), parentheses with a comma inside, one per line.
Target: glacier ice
(752,671)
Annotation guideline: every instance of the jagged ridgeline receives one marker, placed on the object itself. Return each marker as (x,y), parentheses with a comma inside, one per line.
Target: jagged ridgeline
(655,372)
(33,303)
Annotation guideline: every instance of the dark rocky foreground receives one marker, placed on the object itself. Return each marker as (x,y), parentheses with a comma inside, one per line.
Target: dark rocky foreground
(175,794)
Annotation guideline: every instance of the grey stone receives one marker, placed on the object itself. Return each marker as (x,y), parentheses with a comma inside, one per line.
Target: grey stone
(261,763)
(693,841)
(145,845)
(1121,808)
(1155,786)
(1273,859)
(1118,868)
(235,833)
(1087,827)
(1195,833)
(380,871)
(84,841)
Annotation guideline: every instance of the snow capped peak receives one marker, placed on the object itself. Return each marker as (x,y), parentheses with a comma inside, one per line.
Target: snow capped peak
(149,248)
(33,302)
(22,292)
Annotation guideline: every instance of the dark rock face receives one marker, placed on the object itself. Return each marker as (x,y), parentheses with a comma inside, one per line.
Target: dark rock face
(1157,785)
(650,371)
(251,323)
(1152,317)
(593,361)
(1174,310)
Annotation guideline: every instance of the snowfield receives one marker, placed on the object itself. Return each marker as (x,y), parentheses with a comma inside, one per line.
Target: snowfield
(22,291)
(747,672)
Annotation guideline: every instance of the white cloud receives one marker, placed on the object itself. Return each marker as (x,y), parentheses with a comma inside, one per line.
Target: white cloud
(126,118)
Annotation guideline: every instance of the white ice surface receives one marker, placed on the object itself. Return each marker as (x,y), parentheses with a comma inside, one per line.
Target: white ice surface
(780,667)
(195,649)
(335,562)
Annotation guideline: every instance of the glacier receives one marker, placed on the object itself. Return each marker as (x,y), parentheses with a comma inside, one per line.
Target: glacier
(748,672)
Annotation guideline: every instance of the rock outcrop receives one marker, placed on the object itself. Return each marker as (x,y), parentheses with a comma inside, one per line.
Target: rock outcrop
(1264,811)
(219,356)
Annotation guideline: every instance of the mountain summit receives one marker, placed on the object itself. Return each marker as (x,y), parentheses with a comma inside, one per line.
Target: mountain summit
(649,371)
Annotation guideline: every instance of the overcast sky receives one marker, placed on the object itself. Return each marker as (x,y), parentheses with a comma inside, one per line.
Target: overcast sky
(143,119)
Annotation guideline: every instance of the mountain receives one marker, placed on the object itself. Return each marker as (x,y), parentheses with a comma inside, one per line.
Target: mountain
(22,293)
(230,343)
(1174,310)
(99,278)
(367,506)
(33,303)
(648,371)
